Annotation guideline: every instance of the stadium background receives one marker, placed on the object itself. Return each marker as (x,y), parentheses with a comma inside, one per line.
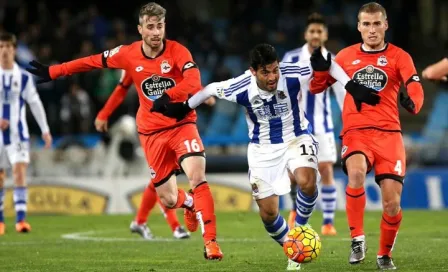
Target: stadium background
(89,173)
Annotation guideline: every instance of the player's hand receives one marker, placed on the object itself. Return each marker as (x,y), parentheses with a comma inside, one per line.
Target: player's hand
(40,70)
(407,103)
(160,103)
(47,139)
(177,110)
(211,101)
(100,125)
(318,62)
(4,124)
(362,94)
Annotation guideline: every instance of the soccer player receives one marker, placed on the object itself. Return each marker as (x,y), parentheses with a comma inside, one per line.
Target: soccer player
(371,134)
(318,112)
(280,137)
(149,198)
(162,71)
(16,88)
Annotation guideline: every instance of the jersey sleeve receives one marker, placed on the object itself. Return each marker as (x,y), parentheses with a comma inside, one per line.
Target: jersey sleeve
(411,80)
(116,58)
(191,82)
(30,95)
(117,97)
(321,80)
(227,90)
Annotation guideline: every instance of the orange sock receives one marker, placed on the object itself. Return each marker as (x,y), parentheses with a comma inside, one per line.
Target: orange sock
(389,229)
(149,199)
(355,205)
(205,210)
(183,201)
(170,216)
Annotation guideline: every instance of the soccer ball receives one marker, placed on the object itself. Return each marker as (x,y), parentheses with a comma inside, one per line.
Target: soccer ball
(302,244)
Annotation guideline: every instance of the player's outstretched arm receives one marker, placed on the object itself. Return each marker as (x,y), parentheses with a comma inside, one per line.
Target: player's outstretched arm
(412,102)
(114,58)
(31,96)
(437,71)
(116,98)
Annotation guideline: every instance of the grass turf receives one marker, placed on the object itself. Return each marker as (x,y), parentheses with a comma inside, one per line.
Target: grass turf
(104,243)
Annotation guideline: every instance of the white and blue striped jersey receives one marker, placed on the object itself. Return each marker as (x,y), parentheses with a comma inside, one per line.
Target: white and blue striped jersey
(16,88)
(317,107)
(272,117)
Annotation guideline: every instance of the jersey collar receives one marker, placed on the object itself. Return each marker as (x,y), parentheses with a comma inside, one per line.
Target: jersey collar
(386,44)
(158,55)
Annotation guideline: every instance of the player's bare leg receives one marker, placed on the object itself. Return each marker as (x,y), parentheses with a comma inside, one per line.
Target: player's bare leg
(204,206)
(355,204)
(306,178)
(274,223)
(328,196)
(293,195)
(390,222)
(147,203)
(2,197)
(20,196)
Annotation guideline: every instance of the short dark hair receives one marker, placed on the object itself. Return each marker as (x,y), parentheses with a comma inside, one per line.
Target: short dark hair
(316,18)
(8,37)
(372,7)
(262,55)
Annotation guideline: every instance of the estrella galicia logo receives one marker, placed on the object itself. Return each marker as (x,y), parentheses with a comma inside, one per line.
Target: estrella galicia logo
(154,86)
(372,77)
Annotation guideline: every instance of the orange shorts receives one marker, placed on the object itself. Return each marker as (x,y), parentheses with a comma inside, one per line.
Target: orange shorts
(384,151)
(165,150)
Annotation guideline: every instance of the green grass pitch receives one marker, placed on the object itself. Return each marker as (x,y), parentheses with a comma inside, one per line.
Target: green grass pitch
(104,243)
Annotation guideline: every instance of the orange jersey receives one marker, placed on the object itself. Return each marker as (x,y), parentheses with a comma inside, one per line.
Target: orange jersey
(384,71)
(172,72)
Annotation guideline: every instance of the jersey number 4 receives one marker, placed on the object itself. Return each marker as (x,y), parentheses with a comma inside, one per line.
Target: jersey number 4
(398,168)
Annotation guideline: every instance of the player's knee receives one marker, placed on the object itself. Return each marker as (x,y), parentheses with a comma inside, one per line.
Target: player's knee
(268,215)
(326,172)
(306,179)
(391,206)
(356,176)
(168,200)
(19,174)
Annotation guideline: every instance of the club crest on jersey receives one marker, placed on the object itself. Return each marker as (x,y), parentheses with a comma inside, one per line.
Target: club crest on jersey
(382,61)
(281,95)
(372,77)
(165,67)
(154,86)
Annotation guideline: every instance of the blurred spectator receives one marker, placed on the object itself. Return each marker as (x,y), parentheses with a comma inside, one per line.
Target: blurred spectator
(76,111)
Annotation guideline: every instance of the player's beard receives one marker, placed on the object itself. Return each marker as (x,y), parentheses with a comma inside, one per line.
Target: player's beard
(154,43)
(271,86)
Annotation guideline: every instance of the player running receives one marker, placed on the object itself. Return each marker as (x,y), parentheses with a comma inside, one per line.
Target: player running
(150,197)
(371,134)
(16,88)
(280,137)
(318,112)
(162,71)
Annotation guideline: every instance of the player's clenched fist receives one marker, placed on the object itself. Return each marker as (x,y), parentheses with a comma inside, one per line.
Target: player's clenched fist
(318,62)
(177,110)
(362,94)
(40,70)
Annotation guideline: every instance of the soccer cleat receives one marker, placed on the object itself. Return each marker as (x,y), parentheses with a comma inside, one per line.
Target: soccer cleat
(2,228)
(292,219)
(358,251)
(181,233)
(292,266)
(141,229)
(385,263)
(212,251)
(23,226)
(191,222)
(328,230)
